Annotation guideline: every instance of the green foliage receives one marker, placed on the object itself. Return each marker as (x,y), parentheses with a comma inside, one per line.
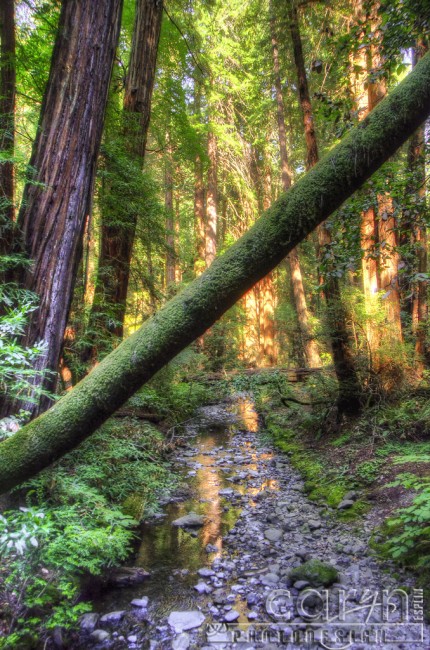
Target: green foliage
(78,524)
(17,361)
(408,531)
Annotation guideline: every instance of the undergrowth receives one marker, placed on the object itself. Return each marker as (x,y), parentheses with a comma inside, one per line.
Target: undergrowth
(384,455)
(77,519)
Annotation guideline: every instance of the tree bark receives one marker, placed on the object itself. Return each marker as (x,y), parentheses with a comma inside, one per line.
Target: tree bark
(289,220)
(418,234)
(7,122)
(117,238)
(310,348)
(211,201)
(58,196)
(349,385)
(170,219)
(199,215)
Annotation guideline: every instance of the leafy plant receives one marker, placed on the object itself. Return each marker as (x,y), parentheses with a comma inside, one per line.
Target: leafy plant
(408,531)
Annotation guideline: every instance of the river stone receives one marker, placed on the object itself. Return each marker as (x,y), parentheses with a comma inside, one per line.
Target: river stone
(182,621)
(89,621)
(211,548)
(345,504)
(206,572)
(270,579)
(140,602)
(113,617)
(315,572)
(231,616)
(192,520)
(203,588)
(182,642)
(99,636)
(273,534)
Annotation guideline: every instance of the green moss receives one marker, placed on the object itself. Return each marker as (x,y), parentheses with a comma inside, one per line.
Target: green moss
(317,573)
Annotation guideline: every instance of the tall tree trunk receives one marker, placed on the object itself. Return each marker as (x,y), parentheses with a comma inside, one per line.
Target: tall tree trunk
(289,220)
(267,291)
(117,238)
(211,201)
(199,215)
(378,224)
(349,385)
(170,219)
(58,196)
(418,233)
(309,344)
(7,122)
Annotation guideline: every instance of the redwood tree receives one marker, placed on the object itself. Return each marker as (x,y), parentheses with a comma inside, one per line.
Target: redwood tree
(58,194)
(349,384)
(118,234)
(7,120)
(310,348)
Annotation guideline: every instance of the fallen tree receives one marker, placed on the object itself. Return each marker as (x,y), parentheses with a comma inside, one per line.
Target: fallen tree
(293,216)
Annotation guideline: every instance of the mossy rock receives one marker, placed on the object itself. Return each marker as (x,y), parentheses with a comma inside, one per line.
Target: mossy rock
(317,573)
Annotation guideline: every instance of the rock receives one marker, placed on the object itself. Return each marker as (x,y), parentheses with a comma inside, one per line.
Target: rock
(192,520)
(300,584)
(127,576)
(203,588)
(314,524)
(113,617)
(351,496)
(270,579)
(231,616)
(132,638)
(218,597)
(206,572)
(88,621)
(211,548)
(252,599)
(182,621)
(99,636)
(140,602)
(273,534)
(182,642)
(345,504)
(315,572)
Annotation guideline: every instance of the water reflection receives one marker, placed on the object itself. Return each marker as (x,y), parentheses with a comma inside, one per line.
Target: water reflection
(173,555)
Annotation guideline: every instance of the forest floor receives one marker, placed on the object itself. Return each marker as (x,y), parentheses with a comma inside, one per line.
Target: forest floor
(246,573)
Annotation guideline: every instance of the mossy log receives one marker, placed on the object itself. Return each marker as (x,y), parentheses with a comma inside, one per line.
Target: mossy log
(187,316)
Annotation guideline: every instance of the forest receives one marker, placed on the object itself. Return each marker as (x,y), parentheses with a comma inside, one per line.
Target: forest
(214,337)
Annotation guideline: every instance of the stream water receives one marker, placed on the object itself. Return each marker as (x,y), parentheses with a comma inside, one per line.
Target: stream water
(171,554)
(258,525)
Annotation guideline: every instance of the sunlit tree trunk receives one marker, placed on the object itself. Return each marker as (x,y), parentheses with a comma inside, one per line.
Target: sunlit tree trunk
(170,218)
(188,315)
(309,344)
(7,122)
(199,215)
(418,234)
(378,225)
(57,198)
(211,202)
(337,318)
(268,341)
(117,237)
